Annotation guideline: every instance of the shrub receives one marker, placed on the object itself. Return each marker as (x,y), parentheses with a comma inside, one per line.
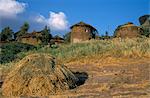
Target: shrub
(9,51)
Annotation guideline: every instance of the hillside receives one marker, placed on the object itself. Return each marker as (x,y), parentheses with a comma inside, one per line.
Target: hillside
(117,67)
(98,49)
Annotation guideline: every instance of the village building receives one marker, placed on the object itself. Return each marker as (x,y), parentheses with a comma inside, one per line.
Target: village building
(145,23)
(82,32)
(128,30)
(31,38)
(57,40)
(145,20)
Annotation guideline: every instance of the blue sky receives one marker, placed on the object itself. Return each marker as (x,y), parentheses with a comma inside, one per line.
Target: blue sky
(104,15)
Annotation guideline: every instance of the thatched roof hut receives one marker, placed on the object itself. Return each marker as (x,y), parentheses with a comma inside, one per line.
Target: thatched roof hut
(82,32)
(144,20)
(30,38)
(145,24)
(128,30)
(57,40)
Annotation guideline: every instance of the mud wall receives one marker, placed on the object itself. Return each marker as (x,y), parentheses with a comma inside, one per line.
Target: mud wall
(128,32)
(81,33)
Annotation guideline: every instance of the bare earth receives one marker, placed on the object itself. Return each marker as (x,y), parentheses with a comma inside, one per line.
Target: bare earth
(118,80)
(112,80)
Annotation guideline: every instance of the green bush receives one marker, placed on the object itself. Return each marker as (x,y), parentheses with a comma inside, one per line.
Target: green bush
(9,51)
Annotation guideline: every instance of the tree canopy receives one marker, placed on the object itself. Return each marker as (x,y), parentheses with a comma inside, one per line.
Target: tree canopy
(6,34)
(23,30)
(46,35)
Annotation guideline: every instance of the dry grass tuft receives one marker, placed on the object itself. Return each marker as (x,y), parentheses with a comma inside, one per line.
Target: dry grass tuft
(99,49)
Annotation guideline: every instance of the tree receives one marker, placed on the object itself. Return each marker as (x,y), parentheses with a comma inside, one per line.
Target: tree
(107,35)
(46,36)
(25,27)
(23,30)
(67,37)
(146,32)
(6,34)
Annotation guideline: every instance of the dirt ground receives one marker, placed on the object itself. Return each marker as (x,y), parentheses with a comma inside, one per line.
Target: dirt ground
(123,79)
(112,80)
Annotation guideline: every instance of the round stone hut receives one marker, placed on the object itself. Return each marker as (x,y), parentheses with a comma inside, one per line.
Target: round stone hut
(82,32)
(145,24)
(145,20)
(128,30)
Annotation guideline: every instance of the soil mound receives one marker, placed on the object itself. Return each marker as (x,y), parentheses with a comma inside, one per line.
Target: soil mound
(38,75)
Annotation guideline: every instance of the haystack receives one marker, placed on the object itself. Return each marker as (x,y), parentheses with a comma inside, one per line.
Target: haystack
(38,75)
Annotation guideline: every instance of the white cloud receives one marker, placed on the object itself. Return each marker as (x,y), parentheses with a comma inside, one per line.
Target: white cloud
(56,21)
(10,8)
(40,19)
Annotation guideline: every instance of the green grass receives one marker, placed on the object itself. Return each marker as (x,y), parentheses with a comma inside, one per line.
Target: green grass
(129,48)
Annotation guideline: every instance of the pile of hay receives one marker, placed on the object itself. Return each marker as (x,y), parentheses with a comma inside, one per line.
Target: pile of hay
(38,75)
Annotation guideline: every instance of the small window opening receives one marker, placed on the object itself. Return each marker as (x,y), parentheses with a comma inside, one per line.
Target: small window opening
(86,30)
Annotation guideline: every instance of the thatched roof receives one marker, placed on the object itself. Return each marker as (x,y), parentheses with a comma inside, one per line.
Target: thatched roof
(144,18)
(33,34)
(57,38)
(27,35)
(146,23)
(129,24)
(82,24)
